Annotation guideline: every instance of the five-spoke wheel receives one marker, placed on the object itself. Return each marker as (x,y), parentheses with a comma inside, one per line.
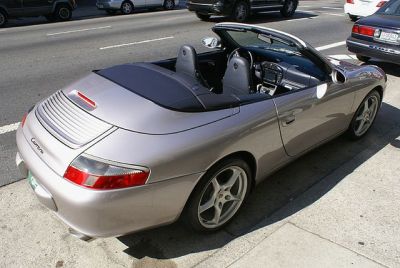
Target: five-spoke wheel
(219,195)
(365,115)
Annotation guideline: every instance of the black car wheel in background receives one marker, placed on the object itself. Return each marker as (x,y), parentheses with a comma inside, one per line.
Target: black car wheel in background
(378,36)
(62,13)
(289,8)
(241,11)
(3,18)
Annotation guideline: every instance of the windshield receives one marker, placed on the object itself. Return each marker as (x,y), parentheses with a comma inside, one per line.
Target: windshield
(391,8)
(252,39)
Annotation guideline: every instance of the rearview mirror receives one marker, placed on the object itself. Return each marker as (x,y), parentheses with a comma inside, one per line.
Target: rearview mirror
(211,42)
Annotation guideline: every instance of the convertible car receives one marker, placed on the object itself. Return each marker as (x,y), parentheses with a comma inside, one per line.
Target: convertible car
(139,145)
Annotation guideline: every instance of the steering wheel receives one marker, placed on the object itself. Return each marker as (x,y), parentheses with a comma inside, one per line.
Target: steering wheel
(238,52)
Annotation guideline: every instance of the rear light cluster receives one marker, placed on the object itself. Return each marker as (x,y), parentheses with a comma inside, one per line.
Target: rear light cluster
(23,119)
(94,173)
(363,30)
(350,1)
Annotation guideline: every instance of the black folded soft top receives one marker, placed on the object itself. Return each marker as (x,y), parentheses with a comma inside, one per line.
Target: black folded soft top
(167,88)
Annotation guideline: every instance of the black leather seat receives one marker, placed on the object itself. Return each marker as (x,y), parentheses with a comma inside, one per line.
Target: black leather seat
(187,64)
(237,78)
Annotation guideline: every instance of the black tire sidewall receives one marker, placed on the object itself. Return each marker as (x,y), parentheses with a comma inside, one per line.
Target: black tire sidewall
(284,10)
(190,212)
(234,17)
(350,131)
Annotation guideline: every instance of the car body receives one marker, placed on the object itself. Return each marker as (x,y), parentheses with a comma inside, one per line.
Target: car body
(240,10)
(53,10)
(378,36)
(161,123)
(362,8)
(127,6)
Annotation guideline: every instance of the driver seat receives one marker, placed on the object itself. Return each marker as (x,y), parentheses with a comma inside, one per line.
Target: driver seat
(237,78)
(187,64)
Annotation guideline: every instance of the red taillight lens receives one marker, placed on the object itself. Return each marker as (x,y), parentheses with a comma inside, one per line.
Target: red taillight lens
(364,30)
(23,119)
(381,4)
(88,172)
(350,1)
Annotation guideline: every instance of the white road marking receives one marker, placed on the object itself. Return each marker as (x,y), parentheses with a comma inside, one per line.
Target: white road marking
(136,43)
(335,8)
(344,57)
(333,14)
(306,11)
(9,128)
(304,6)
(294,20)
(80,30)
(338,44)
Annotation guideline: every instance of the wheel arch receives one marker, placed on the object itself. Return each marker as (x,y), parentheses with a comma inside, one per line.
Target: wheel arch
(61,2)
(4,9)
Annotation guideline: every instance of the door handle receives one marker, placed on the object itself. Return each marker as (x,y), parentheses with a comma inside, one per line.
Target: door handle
(288,120)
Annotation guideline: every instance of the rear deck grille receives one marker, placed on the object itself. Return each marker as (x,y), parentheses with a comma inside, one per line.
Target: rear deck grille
(69,123)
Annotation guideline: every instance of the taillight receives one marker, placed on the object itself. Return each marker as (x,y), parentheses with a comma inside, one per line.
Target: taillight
(363,30)
(86,99)
(23,119)
(350,1)
(90,172)
(381,3)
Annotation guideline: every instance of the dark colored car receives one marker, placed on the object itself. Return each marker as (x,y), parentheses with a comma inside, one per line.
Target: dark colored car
(378,36)
(53,10)
(240,10)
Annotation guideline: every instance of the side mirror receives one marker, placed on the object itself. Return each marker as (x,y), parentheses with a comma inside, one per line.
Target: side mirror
(338,77)
(211,42)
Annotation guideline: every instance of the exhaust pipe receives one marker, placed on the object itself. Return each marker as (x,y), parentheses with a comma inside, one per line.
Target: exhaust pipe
(79,235)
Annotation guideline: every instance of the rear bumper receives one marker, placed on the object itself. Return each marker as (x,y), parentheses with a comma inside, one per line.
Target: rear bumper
(218,8)
(105,213)
(389,53)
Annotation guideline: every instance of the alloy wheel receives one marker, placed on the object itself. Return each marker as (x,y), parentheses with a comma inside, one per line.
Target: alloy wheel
(2,19)
(169,4)
(222,197)
(240,12)
(64,13)
(366,115)
(126,8)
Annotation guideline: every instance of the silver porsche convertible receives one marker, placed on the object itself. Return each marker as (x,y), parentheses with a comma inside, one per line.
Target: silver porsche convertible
(139,145)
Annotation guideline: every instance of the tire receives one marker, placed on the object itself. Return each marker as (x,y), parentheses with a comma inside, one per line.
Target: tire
(364,117)
(203,17)
(205,195)
(3,18)
(169,4)
(289,8)
(62,13)
(111,11)
(241,12)
(353,18)
(362,58)
(126,8)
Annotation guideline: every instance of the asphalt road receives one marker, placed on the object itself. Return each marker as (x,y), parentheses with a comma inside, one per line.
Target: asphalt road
(36,60)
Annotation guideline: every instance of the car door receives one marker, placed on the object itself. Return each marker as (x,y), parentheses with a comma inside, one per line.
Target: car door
(13,7)
(37,7)
(154,3)
(310,116)
(265,3)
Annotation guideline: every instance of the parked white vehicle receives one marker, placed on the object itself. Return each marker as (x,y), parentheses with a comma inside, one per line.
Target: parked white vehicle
(362,8)
(127,6)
